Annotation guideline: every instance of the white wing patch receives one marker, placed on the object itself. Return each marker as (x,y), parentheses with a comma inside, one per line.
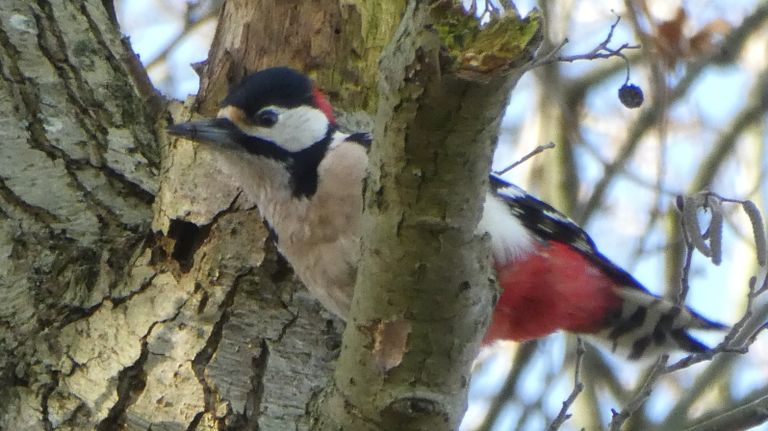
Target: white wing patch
(512,191)
(337,139)
(516,192)
(509,238)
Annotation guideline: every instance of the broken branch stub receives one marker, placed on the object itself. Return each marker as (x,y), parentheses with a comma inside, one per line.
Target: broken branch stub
(478,52)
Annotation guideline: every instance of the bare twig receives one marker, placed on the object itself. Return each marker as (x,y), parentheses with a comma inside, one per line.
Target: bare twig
(733,43)
(578,386)
(600,51)
(640,396)
(534,152)
(742,417)
(734,341)
(717,369)
(592,55)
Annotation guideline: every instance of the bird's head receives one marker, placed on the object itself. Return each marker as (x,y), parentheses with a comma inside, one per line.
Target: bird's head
(277,115)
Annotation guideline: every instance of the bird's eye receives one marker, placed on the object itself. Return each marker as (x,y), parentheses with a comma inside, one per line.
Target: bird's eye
(266,118)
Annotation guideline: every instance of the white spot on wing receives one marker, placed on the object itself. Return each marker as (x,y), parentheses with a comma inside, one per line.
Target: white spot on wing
(556,215)
(515,192)
(512,191)
(509,238)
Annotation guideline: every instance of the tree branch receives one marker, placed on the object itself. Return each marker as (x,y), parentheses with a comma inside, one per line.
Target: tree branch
(578,386)
(601,51)
(424,273)
(739,418)
(640,396)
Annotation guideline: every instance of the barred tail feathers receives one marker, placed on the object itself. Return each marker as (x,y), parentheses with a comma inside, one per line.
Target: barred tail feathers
(648,325)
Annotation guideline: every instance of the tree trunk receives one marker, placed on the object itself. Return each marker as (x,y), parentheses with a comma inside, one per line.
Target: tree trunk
(77,179)
(424,288)
(104,322)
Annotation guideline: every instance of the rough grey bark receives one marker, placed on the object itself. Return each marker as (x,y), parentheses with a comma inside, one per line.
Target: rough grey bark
(78,160)
(112,317)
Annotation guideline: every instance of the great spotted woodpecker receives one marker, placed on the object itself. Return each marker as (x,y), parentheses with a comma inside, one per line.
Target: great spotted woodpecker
(277,134)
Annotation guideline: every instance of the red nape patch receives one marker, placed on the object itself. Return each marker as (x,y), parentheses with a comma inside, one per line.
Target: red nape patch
(554,287)
(323,104)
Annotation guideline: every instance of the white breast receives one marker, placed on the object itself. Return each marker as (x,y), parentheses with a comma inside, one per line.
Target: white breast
(321,236)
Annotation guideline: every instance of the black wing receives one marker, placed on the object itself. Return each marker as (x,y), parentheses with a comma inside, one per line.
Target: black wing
(549,224)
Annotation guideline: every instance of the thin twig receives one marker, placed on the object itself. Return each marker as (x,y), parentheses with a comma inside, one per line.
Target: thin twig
(594,55)
(548,58)
(578,386)
(741,417)
(600,51)
(716,370)
(534,152)
(732,44)
(734,341)
(640,396)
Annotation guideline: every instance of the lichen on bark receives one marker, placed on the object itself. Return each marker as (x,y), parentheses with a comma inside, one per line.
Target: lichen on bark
(476,51)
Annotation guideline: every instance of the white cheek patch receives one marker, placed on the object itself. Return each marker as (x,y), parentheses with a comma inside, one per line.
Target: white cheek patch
(296,128)
(509,238)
